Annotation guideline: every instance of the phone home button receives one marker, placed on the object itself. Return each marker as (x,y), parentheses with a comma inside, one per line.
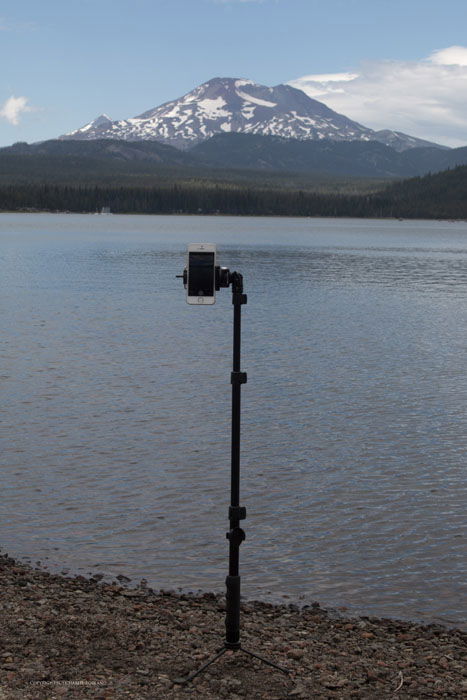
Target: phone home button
(200,300)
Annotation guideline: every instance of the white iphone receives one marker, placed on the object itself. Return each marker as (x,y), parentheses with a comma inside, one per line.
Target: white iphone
(201,273)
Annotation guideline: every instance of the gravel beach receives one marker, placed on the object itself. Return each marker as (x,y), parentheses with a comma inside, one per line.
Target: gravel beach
(82,638)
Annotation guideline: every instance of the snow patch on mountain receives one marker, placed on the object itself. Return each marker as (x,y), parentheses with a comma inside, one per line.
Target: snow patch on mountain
(212,108)
(255,100)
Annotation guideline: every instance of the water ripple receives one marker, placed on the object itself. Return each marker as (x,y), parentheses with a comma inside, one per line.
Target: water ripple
(115,418)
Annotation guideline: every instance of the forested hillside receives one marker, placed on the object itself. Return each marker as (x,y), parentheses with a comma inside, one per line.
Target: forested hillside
(145,165)
(439,196)
(443,195)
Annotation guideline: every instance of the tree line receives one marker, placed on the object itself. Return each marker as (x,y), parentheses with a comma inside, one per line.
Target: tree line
(424,197)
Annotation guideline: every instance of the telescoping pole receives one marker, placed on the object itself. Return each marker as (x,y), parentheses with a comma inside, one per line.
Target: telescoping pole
(236,513)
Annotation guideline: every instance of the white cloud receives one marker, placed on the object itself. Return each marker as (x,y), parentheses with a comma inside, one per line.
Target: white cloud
(426,98)
(13,108)
(333,77)
(452,56)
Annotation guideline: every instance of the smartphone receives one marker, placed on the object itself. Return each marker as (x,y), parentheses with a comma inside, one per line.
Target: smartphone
(201,273)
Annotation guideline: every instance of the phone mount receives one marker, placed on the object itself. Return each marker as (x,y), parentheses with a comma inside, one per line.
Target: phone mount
(223,278)
(237,513)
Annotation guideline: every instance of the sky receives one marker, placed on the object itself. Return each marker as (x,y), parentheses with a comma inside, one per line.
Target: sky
(398,64)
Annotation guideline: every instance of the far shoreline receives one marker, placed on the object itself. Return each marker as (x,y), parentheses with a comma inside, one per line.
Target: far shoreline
(447,220)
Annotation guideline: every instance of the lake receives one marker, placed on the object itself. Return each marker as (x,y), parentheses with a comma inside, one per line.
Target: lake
(115,412)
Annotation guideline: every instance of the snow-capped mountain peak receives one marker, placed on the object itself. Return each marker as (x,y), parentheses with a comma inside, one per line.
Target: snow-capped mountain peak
(99,123)
(234,105)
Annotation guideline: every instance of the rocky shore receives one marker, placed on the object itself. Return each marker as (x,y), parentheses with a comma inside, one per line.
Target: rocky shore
(82,638)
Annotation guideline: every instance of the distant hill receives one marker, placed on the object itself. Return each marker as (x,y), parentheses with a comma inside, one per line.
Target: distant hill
(349,158)
(145,163)
(152,151)
(363,158)
(228,156)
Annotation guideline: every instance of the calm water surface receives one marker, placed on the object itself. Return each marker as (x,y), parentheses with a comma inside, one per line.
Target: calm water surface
(116,406)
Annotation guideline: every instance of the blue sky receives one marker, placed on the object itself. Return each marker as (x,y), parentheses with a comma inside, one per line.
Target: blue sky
(65,62)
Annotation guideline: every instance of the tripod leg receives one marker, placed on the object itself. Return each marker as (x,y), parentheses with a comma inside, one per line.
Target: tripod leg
(265,661)
(188,679)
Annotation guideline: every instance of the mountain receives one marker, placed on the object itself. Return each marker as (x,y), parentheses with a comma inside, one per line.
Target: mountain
(226,105)
(402,142)
(93,129)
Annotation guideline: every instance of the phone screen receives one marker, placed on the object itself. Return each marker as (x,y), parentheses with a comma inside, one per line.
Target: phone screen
(200,274)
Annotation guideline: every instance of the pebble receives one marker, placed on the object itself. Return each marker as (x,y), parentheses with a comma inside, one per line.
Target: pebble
(295,654)
(81,629)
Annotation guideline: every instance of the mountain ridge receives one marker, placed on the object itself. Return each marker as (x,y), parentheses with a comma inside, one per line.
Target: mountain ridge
(238,151)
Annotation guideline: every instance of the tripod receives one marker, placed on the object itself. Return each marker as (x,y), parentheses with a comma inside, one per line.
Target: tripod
(236,534)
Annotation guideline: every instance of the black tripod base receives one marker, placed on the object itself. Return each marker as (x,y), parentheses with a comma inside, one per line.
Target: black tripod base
(221,652)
